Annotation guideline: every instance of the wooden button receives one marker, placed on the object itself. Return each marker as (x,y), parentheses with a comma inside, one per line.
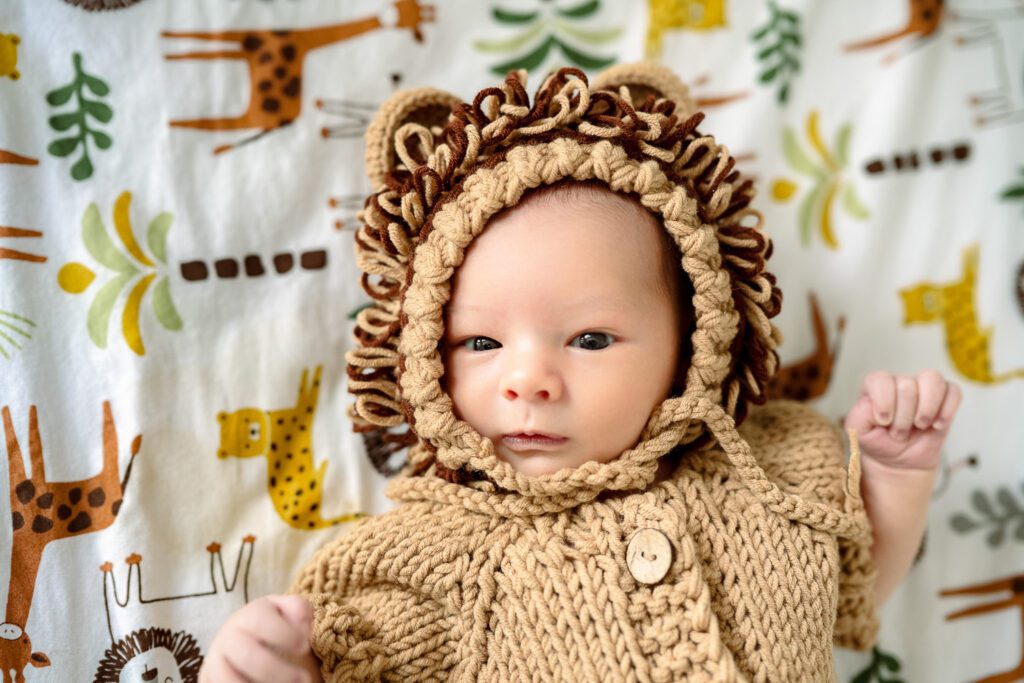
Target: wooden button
(649,555)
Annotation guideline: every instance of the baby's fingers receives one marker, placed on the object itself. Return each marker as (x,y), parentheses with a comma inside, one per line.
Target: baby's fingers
(258,663)
(906,408)
(880,388)
(931,392)
(265,621)
(949,407)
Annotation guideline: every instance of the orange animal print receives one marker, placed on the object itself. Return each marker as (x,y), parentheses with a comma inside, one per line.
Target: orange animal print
(952,304)
(14,253)
(809,378)
(275,60)
(925,18)
(285,438)
(7,157)
(44,511)
(1014,585)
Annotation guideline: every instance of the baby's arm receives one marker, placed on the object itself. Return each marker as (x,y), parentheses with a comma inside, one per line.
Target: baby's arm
(265,641)
(901,423)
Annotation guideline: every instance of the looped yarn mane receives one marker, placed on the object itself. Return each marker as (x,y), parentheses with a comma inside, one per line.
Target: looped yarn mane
(419,166)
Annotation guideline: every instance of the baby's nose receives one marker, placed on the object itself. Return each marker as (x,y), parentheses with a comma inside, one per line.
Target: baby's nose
(531,382)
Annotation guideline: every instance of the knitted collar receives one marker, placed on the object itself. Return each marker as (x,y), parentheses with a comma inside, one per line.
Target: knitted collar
(634,130)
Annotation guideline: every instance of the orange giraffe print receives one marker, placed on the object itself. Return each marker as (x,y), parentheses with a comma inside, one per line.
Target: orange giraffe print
(275,59)
(1014,585)
(809,377)
(14,253)
(925,19)
(44,511)
(952,304)
(7,157)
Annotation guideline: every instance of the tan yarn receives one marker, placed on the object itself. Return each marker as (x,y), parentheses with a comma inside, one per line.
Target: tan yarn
(483,573)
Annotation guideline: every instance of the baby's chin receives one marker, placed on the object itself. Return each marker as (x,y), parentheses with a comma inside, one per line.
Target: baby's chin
(539,464)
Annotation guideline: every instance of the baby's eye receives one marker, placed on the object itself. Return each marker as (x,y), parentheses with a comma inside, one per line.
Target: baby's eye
(593,341)
(481,344)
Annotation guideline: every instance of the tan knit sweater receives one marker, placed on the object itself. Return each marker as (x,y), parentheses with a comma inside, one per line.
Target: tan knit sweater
(746,563)
(450,585)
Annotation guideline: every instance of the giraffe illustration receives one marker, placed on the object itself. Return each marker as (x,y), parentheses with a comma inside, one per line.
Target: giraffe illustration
(999,32)
(696,15)
(43,511)
(1014,585)
(925,18)
(809,378)
(14,254)
(141,627)
(953,305)
(275,59)
(285,438)
(8,157)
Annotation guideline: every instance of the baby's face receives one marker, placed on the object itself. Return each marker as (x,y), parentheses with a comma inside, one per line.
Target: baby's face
(557,325)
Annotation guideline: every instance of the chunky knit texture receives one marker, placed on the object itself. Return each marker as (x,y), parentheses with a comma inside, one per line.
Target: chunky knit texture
(485,573)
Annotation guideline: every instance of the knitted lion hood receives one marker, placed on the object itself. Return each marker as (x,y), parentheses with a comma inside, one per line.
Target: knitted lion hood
(443,167)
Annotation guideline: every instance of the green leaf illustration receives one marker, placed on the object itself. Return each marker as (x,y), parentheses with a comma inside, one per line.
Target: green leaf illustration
(61,95)
(777,45)
(529,61)
(163,306)
(579,11)
(85,107)
(97,86)
(852,203)
(101,139)
(507,17)
(962,523)
(98,317)
(82,168)
(99,244)
(843,144)
(795,155)
(512,44)
(584,60)
(592,37)
(97,110)
(62,122)
(62,146)
(156,235)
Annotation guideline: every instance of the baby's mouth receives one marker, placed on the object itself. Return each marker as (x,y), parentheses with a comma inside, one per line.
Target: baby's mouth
(532,441)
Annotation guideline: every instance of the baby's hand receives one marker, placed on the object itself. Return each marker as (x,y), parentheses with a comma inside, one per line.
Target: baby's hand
(902,421)
(263,642)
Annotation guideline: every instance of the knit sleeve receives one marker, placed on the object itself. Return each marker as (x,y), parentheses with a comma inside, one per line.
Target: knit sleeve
(366,628)
(384,634)
(856,624)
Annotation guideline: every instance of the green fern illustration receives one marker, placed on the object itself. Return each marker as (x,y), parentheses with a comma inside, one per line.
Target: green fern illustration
(87,108)
(881,662)
(778,43)
(1015,193)
(553,33)
(997,513)
(13,323)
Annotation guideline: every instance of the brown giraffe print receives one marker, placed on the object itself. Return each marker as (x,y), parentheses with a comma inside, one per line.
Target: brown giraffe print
(925,19)
(1014,587)
(275,59)
(809,378)
(43,511)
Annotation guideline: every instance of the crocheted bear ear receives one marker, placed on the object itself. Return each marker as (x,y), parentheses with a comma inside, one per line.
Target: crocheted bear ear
(424,111)
(647,78)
